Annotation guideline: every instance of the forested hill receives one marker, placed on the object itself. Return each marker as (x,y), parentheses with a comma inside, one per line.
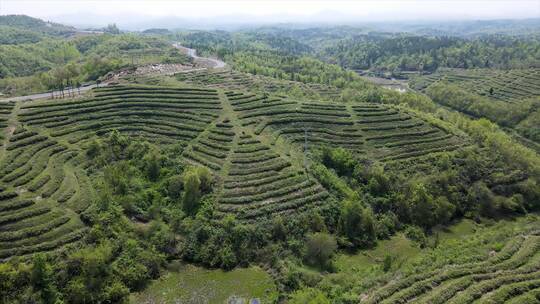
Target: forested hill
(15,29)
(424,53)
(364,48)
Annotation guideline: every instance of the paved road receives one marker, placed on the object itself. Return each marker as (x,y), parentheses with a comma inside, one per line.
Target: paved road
(214,63)
(48,94)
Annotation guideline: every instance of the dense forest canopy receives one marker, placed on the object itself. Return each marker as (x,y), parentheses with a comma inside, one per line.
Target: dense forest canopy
(417,53)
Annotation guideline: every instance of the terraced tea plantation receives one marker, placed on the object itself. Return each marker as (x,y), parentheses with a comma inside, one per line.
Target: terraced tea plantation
(230,79)
(253,143)
(42,194)
(376,130)
(508,85)
(511,275)
(5,111)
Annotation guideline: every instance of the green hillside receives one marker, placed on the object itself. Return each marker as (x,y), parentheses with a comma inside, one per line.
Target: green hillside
(504,85)
(17,29)
(507,97)
(266,172)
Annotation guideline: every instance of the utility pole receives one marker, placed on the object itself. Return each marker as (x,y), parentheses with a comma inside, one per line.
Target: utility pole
(306,151)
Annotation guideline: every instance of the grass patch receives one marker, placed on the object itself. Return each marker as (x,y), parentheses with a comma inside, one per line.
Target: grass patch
(399,247)
(185,283)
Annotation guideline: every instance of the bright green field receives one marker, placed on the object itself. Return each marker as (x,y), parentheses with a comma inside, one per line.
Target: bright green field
(186,283)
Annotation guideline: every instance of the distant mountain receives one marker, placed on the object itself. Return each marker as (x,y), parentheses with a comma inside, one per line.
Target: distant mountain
(156,31)
(465,28)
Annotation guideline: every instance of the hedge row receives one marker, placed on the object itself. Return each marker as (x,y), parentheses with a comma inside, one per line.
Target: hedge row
(272,165)
(34,230)
(10,217)
(26,142)
(197,158)
(16,204)
(44,246)
(278,189)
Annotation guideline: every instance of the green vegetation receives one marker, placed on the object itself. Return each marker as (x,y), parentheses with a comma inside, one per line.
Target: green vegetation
(57,64)
(461,263)
(399,53)
(508,98)
(283,178)
(187,283)
(18,29)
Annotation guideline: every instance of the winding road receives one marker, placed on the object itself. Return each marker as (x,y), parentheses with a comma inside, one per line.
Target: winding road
(205,61)
(214,63)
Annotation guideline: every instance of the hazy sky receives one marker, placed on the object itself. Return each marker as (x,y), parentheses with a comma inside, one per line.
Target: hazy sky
(280,10)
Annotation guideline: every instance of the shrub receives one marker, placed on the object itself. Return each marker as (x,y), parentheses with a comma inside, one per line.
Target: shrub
(387,263)
(416,234)
(94,149)
(308,296)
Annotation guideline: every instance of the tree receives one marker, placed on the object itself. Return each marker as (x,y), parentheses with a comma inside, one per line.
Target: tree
(422,206)
(42,278)
(13,281)
(356,223)
(61,87)
(205,176)
(484,199)
(339,159)
(59,74)
(175,185)
(112,29)
(192,191)
(72,73)
(278,229)
(91,268)
(320,247)
(152,166)
(378,181)
(47,80)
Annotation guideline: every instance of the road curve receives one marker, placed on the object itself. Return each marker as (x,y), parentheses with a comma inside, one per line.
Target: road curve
(215,63)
